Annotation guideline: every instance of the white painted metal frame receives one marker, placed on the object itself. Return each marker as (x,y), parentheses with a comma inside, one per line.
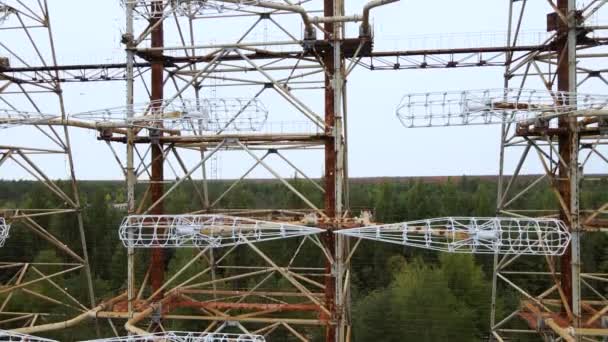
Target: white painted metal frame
(200,231)
(492,106)
(4,229)
(9,336)
(473,235)
(198,115)
(11,117)
(179,336)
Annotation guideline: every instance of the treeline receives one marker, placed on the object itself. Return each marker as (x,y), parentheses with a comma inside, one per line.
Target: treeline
(398,294)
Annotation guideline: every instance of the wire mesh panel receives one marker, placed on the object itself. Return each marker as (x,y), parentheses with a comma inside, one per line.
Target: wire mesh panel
(8,336)
(4,228)
(176,336)
(475,235)
(492,106)
(183,231)
(196,115)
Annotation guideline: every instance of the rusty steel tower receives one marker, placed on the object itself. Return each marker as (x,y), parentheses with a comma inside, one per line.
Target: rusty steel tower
(289,63)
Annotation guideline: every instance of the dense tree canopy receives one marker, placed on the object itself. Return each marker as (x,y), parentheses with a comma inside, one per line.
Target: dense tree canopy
(399,294)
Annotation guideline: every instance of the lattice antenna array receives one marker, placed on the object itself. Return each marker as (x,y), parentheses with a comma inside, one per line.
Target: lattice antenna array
(197,115)
(200,231)
(483,107)
(473,235)
(4,228)
(193,7)
(178,336)
(9,336)
(11,117)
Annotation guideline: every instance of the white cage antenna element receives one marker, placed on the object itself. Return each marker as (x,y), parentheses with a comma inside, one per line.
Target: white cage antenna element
(195,7)
(4,229)
(492,106)
(473,235)
(196,115)
(178,336)
(200,231)
(9,336)
(11,117)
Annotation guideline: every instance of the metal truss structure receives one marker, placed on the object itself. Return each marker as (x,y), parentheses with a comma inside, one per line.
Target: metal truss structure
(27,40)
(180,336)
(203,231)
(173,68)
(474,235)
(570,306)
(4,230)
(8,336)
(559,125)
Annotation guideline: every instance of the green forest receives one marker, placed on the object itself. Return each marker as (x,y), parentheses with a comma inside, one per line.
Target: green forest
(398,293)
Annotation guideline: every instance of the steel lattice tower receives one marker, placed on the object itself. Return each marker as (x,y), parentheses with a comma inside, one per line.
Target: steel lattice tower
(167,115)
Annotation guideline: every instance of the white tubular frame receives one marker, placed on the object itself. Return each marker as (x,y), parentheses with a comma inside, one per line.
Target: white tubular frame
(4,229)
(9,336)
(492,106)
(202,115)
(11,117)
(199,7)
(179,336)
(202,231)
(473,235)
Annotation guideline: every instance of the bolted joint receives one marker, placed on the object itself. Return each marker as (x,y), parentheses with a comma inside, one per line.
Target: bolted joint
(310,34)
(366,32)
(155,136)
(157,314)
(105,134)
(127,39)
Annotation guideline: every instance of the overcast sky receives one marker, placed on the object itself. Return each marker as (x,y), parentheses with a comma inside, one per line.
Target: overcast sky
(88,31)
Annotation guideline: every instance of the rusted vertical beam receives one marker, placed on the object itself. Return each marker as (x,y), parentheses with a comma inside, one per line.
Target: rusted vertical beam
(330,169)
(156,181)
(568,150)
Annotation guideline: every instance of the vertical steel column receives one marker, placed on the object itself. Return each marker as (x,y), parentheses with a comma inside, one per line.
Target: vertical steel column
(330,169)
(157,262)
(340,269)
(334,168)
(130,172)
(568,185)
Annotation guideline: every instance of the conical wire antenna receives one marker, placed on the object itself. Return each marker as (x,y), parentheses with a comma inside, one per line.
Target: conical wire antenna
(4,229)
(192,231)
(473,235)
(494,106)
(190,115)
(181,336)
